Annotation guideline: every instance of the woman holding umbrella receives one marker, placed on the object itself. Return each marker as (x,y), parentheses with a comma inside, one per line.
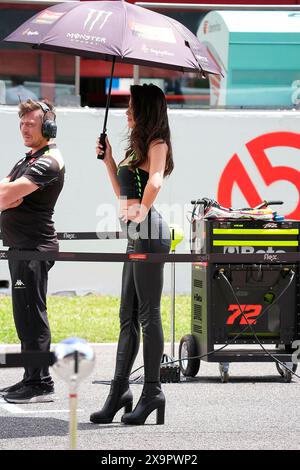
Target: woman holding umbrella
(136,182)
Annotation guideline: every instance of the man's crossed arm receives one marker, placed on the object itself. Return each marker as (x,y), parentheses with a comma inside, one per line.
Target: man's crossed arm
(13,192)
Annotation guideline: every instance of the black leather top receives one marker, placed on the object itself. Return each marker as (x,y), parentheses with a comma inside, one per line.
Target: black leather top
(132,181)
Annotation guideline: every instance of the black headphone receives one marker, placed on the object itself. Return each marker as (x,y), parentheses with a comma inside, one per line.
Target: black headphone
(49,126)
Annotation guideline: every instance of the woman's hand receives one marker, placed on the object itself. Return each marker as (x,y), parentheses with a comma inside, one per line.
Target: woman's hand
(108,151)
(134,213)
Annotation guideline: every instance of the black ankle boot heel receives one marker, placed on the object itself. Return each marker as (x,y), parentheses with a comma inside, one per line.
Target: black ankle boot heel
(128,407)
(141,413)
(160,415)
(152,399)
(120,396)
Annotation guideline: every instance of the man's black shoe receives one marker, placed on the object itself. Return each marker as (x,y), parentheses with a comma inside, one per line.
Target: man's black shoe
(31,394)
(12,388)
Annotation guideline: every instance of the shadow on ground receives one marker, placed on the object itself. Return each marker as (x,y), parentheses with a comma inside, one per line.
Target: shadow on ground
(13,427)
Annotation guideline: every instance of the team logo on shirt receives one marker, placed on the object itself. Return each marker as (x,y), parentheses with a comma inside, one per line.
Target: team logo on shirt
(36,171)
(21,161)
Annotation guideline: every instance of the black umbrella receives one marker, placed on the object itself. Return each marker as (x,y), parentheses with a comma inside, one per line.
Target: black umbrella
(116,31)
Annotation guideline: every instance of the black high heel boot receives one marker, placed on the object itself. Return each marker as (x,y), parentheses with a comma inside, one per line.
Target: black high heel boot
(120,396)
(152,398)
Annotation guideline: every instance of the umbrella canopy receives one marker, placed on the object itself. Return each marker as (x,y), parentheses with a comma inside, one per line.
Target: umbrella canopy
(115,29)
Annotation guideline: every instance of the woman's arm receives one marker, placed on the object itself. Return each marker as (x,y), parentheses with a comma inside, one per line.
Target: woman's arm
(157,155)
(112,173)
(110,166)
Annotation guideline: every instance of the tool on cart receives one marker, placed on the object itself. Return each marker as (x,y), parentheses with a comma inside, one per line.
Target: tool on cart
(213,210)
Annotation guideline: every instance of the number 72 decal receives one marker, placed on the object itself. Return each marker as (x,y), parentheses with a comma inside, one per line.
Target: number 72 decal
(247,314)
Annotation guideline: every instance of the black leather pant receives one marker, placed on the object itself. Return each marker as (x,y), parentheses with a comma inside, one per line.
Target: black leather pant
(142,285)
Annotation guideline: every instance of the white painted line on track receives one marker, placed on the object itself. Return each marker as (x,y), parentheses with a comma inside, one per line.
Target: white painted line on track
(11,408)
(48,411)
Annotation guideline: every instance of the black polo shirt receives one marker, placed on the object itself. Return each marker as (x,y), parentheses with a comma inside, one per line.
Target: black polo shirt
(30,225)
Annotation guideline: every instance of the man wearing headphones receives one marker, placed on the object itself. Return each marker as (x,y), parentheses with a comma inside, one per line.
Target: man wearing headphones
(27,199)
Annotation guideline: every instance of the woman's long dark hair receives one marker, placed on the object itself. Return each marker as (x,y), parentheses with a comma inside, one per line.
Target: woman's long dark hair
(149,110)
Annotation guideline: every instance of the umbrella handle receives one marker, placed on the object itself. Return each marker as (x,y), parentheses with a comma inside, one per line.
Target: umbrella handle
(103,135)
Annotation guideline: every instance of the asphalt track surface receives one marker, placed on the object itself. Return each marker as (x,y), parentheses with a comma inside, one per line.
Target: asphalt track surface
(255,410)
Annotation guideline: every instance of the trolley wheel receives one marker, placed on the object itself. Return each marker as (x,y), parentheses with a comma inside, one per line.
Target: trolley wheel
(224,377)
(286,374)
(187,350)
(224,372)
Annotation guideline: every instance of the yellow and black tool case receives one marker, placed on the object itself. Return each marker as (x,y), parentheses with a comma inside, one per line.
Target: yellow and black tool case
(245,236)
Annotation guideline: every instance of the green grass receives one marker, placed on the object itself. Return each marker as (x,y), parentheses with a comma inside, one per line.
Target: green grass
(94,318)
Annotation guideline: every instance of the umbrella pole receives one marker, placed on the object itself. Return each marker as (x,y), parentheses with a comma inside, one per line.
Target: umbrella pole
(103,134)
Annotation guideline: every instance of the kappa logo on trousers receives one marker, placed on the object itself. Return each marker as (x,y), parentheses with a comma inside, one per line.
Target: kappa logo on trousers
(19,284)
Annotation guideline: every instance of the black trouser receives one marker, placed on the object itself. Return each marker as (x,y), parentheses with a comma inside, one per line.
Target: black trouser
(142,285)
(29,290)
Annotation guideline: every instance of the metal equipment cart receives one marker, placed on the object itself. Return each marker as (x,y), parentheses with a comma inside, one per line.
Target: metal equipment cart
(232,290)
